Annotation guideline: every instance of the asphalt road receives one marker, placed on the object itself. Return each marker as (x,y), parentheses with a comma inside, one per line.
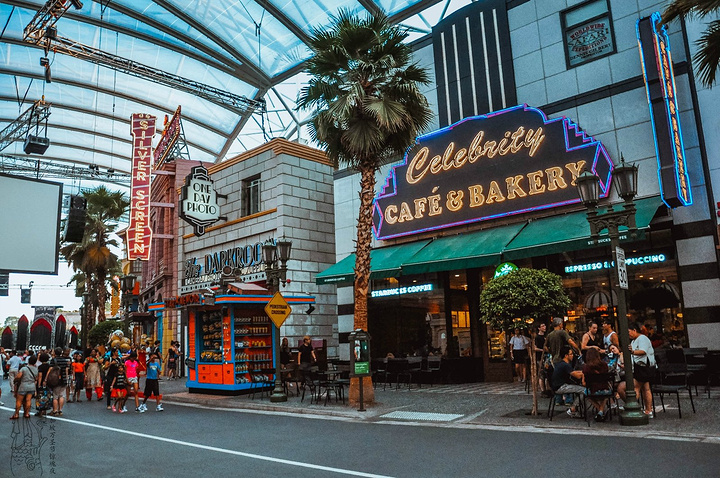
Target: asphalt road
(182,441)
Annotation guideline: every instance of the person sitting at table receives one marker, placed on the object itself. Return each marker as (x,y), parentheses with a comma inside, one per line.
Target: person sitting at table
(594,365)
(562,382)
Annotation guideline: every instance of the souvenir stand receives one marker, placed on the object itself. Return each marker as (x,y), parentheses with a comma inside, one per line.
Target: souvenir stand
(230,340)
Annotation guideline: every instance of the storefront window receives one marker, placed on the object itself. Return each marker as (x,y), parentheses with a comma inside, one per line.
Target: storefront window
(653,297)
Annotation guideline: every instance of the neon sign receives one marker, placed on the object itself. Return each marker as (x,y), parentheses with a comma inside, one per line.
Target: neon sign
(511,161)
(411,289)
(139,234)
(630,261)
(169,137)
(654,45)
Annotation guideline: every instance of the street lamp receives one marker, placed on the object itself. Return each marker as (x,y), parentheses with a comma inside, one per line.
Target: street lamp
(84,319)
(625,180)
(275,256)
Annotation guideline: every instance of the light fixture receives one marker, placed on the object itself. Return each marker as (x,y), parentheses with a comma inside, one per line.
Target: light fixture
(625,179)
(588,187)
(310,309)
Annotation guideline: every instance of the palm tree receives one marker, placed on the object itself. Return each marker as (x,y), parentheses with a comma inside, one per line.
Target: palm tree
(707,57)
(367,107)
(91,259)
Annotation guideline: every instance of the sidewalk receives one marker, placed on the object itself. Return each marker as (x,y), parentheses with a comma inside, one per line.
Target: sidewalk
(502,405)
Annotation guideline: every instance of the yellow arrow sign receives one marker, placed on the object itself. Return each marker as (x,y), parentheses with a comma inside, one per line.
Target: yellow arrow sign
(278,309)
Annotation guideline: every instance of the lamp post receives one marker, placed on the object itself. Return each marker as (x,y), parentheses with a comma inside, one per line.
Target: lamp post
(625,180)
(275,256)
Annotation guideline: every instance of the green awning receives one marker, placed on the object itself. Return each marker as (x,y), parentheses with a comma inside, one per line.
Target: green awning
(384,262)
(462,251)
(569,232)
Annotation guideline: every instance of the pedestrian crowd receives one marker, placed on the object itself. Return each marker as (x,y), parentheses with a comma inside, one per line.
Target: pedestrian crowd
(568,369)
(54,377)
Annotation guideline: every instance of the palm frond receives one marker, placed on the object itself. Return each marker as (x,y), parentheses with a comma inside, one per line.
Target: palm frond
(707,57)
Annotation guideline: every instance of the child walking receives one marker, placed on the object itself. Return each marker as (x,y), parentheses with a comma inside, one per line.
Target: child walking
(119,390)
(152,386)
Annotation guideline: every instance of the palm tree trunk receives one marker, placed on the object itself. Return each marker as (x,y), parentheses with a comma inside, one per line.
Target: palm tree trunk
(362,273)
(102,295)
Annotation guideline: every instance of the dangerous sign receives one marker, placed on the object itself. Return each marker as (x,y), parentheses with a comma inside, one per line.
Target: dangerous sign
(278,309)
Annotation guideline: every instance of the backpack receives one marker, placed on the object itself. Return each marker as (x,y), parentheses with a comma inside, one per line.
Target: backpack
(53,377)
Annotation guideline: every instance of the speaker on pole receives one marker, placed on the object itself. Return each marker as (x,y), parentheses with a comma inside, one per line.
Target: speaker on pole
(75,221)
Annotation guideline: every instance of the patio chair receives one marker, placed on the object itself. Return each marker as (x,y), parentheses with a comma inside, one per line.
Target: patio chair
(673,379)
(605,383)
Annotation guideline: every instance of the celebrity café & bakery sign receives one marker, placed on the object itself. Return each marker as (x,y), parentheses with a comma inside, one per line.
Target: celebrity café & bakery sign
(508,162)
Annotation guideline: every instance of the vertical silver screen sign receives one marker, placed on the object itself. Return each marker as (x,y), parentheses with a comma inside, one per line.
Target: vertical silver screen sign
(621,268)
(199,205)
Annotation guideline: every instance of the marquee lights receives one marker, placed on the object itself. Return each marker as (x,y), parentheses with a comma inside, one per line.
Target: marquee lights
(630,261)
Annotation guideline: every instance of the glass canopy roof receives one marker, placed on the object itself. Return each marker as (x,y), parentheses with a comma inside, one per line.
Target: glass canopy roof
(247,49)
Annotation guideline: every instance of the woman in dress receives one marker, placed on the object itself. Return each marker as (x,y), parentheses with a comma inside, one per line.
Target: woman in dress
(93,380)
(172,356)
(27,377)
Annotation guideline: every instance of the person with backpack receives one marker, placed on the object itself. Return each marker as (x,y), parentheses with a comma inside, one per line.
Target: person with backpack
(43,396)
(59,387)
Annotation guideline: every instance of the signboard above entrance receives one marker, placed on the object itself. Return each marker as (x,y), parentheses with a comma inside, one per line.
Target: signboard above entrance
(484,167)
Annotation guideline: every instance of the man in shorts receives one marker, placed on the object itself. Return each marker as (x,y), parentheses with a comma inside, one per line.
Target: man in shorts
(61,361)
(152,386)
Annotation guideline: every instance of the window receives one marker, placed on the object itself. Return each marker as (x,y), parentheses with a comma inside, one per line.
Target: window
(251,196)
(587,32)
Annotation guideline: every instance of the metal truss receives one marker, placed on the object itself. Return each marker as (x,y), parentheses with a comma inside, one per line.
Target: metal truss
(18,129)
(41,31)
(37,168)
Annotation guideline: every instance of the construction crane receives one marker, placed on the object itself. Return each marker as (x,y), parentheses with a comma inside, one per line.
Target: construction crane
(19,129)
(41,31)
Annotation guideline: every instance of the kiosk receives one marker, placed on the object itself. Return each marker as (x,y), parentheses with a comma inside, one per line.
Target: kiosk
(230,340)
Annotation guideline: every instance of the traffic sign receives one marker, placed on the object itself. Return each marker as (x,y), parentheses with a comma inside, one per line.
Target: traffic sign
(278,309)
(622,270)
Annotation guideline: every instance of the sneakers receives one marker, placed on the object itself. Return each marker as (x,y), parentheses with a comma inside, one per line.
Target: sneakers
(572,414)
(124,409)
(159,408)
(114,409)
(2,404)
(140,409)
(143,407)
(600,417)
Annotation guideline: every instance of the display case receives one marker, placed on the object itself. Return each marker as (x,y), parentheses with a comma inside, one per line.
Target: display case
(253,346)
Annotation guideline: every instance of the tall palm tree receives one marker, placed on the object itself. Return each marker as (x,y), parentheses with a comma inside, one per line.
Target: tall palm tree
(91,259)
(707,57)
(367,107)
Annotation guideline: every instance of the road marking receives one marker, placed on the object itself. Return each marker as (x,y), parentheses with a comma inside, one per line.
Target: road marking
(472,417)
(226,451)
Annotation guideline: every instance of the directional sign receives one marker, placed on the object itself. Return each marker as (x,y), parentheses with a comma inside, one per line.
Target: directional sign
(278,309)
(622,270)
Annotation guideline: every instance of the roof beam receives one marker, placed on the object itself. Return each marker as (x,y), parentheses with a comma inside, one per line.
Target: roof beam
(408,12)
(286,22)
(370,6)
(236,131)
(215,38)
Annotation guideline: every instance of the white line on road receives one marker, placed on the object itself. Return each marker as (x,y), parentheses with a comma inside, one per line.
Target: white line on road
(224,450)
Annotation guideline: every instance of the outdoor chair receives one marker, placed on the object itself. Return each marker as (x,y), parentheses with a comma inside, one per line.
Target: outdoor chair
(551,404)
(397,368)
(673,379)
(696,360)
(261,384)
(606,393)
(413,369)
(379,370)
(431,367)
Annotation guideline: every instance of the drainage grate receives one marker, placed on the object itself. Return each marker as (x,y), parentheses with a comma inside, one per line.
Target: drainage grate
(428,417)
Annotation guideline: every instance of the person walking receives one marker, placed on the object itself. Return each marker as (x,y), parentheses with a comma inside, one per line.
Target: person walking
(152,384)
(119,389)
(93,380)
(3,361)
(43,395)
(78,368)
(306,355)
(519,354)
(111,368)
(171,361)
(131,370)
(59,391)
(27,383)
(14,363)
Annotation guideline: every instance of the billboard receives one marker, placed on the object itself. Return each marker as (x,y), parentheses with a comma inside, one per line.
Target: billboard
(29,225)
